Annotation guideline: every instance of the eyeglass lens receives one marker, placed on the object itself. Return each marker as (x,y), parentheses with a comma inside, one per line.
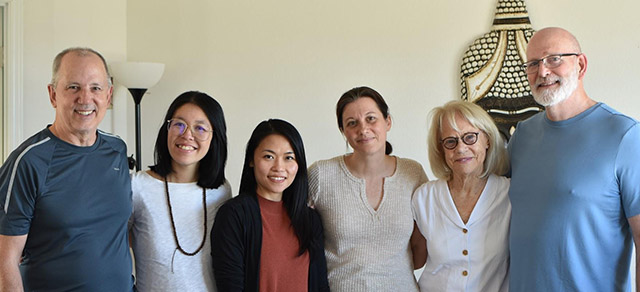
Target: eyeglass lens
(551,61)
(199,132)
(469,138)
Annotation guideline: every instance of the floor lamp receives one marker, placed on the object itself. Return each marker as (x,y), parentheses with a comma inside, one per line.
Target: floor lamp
(137,77)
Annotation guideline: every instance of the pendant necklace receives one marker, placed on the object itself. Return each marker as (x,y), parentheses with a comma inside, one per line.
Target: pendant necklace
(173,224)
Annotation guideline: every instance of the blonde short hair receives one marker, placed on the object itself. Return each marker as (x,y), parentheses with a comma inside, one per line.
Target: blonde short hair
(496,160)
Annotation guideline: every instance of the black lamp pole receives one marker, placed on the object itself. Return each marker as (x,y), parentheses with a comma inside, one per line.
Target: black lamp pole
(137,94)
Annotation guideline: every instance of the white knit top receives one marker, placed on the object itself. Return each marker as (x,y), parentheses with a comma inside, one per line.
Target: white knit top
(159,266)
(366,249)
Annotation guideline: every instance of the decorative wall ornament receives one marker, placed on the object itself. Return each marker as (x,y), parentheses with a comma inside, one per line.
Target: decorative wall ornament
(491,71)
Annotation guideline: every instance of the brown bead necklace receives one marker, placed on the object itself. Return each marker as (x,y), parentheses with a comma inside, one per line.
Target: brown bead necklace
(173,224)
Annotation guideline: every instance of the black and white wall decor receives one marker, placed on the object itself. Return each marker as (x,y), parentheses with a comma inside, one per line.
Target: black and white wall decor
(491,71)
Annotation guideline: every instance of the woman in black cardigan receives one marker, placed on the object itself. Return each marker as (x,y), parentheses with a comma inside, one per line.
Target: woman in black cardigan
(274,172)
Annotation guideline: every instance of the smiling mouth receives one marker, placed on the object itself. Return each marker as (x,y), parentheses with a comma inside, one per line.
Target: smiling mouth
(186,147)
(277,178)
(548,83)
(464,159)
(84,112)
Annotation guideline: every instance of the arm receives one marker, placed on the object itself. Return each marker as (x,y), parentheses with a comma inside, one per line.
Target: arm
(418,242)
(634,222)
(628,174)
(130,224)
(132,218)
(10,254)
(319,260)
(227,250)
(418,248)
(314,184)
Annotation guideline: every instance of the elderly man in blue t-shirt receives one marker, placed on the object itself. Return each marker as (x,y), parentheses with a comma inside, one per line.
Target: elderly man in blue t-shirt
(575,186)
(65,193)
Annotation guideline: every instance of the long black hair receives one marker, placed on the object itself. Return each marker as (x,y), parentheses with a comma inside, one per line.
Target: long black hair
(294,198)
(211,167)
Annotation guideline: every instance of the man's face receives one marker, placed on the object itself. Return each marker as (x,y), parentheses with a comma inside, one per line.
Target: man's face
(80,96)
(552,89)
(550,86)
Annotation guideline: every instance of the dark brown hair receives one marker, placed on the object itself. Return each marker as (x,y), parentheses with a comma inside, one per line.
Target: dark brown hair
(360,92)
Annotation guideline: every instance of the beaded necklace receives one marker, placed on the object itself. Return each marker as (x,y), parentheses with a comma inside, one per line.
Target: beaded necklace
(173,224)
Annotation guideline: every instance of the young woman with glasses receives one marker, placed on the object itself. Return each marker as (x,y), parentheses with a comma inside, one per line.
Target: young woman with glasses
(464,215)
(175,201)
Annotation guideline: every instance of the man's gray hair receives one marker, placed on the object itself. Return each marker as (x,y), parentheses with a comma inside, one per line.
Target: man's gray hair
(80,52)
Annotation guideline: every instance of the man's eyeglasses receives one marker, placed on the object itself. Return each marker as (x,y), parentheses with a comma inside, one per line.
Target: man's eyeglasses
(468,138)
(199,132)
(551,61)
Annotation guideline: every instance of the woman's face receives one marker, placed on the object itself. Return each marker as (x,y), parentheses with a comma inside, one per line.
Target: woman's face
(364,126)
(187,149)
(464,160)
(274,166)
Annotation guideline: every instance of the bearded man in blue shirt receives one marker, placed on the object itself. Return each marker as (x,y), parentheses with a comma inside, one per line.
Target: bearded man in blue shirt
(575,185)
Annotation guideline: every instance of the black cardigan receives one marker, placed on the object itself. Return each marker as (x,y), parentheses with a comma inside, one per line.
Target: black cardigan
(236,242)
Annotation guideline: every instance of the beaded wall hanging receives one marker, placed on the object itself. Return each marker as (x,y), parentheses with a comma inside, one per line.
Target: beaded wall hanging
(491,71)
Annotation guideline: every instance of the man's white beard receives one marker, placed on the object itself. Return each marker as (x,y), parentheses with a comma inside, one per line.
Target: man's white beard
(549,96)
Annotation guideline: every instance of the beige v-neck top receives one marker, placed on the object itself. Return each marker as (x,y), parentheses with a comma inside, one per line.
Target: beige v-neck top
(366,249)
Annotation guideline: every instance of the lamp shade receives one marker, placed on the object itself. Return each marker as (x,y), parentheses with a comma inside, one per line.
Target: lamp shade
(137,74)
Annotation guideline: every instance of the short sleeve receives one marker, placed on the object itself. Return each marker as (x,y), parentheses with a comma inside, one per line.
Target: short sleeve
(415,171)
(422,175)
(228,192)
(414,204)
(314,183)
(18,193)
(628,171)
(135,199)
(419,205)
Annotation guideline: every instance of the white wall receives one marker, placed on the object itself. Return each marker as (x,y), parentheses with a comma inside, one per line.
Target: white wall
(292,59)
(53,25)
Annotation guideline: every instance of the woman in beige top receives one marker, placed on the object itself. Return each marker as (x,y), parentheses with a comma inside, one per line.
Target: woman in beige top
(364,199)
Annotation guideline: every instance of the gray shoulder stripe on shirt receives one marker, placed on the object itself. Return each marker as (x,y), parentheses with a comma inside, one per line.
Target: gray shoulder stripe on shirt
(15,169)
(109,134)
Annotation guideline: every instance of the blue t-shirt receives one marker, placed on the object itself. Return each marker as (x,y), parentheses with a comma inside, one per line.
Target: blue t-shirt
(574,184)
(74,203)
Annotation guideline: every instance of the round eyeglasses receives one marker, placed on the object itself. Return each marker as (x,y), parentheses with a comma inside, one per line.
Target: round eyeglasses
(468,138)
(551,61)
(199,132)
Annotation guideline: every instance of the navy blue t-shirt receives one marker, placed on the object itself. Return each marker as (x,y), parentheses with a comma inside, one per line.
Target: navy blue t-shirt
(74,203)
